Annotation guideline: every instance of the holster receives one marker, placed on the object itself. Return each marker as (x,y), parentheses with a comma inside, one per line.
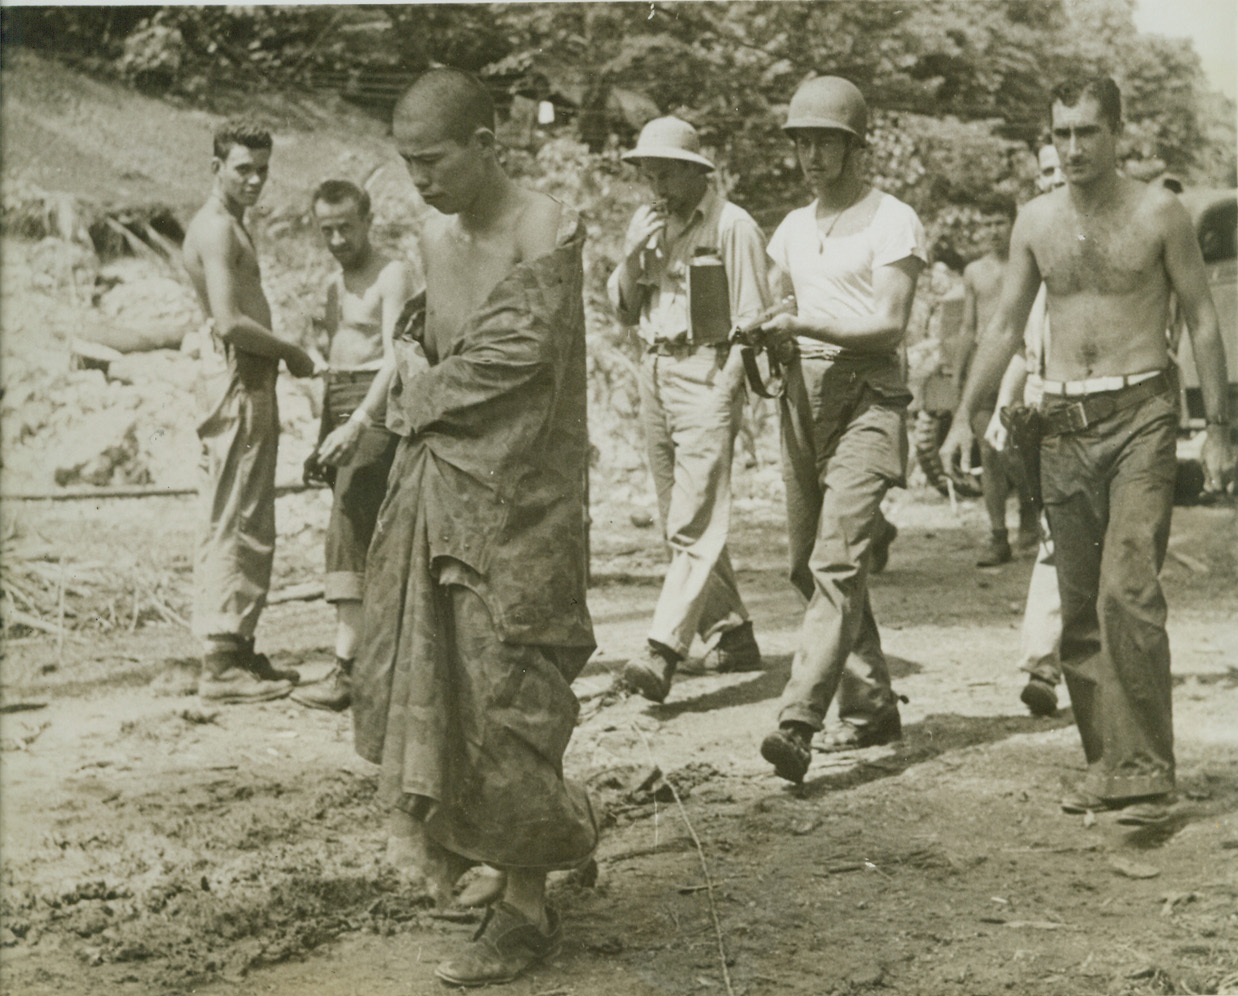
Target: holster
(1025,429)
(314,472)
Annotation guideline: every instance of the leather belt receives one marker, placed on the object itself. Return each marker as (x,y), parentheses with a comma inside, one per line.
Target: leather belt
(681,348)
(1078,415)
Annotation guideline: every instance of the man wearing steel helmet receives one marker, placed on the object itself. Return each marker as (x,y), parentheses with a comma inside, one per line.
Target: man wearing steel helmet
(691,391)
(852,258)
(1111,252)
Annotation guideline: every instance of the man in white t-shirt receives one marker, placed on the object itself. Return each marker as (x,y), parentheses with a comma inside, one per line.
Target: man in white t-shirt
(851,258)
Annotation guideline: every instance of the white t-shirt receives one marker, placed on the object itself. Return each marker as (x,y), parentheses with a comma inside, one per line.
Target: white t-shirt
(833,277)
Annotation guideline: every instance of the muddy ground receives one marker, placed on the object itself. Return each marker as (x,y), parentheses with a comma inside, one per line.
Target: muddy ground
(154,845)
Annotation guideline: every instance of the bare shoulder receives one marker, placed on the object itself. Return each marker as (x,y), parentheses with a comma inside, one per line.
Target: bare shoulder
(1156,202)
(538,227)
(395,275)
(1044,210)
(209,233)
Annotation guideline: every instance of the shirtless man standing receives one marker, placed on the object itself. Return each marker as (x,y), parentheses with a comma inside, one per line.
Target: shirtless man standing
(1110,251)
(475,616)
(240,425)
(364,300)
(982,282)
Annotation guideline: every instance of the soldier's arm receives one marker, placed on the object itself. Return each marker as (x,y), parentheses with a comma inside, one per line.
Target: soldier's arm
(218,247)
(395,284)
(743,256)
(627,294)
(894,288)
(1000,341)
(968,331)
(1188,277)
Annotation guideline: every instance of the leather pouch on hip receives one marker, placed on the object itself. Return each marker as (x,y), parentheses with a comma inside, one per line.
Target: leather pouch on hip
(1025,429)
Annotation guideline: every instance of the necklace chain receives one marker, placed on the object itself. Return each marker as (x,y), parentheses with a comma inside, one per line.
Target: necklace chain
(834,221)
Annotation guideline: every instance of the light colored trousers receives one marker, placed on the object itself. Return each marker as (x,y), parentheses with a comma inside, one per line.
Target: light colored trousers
(1041,636)
(236,538)
(691,404)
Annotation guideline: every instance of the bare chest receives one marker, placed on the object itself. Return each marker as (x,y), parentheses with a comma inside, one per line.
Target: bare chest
(1108,256)
(460,275)
(360,305)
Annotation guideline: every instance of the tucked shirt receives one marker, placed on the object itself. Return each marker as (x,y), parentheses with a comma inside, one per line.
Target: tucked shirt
(661,306)
(833,276)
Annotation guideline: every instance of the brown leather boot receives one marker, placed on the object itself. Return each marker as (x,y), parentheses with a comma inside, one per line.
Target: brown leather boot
(334,692)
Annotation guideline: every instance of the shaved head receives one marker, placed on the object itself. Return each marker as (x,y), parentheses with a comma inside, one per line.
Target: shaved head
(457,99)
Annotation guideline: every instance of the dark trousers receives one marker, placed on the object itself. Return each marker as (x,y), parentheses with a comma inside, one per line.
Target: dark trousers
(1108,492)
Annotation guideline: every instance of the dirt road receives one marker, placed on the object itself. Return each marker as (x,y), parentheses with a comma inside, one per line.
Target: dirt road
(152,845)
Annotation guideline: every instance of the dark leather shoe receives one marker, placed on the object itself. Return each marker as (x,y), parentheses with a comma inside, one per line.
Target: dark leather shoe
(887,533)
(1150,811)
(261,666)
(650,674)
(238,686)
(506,944)
(1040,697)
(1078,801)
(334,692)
(736,650)
(996,552)
(789,750)
(885,728)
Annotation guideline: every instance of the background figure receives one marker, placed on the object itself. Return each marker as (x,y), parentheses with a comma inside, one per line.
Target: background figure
(693,264)
(852,258)
(239,429)
(1040,636)
(982,281)
(1108,422)
(363,301)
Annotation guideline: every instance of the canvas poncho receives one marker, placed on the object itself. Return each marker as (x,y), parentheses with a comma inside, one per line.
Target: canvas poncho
(475,615)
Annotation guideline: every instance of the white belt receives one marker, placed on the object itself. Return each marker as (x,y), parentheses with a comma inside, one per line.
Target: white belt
(1074,388)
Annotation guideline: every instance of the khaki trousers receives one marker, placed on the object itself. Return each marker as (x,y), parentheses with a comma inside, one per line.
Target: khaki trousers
(691,405)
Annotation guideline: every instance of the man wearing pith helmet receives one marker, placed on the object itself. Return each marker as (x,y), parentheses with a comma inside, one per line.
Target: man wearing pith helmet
(693,265)
(851,258)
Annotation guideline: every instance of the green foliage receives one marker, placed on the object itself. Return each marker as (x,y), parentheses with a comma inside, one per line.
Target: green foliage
(957,88)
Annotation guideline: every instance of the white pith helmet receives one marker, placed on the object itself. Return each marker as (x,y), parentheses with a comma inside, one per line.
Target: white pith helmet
(668,138)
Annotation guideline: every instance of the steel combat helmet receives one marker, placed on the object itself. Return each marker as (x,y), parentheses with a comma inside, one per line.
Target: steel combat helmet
(829,102)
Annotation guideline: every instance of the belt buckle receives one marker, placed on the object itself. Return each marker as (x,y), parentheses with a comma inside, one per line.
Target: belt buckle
(1076,416)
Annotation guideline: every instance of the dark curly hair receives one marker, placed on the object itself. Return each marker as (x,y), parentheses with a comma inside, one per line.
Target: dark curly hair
(240,131)
(1102,89)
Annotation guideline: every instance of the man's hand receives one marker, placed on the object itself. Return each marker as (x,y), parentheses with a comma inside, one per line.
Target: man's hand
(300,363)
(646,223)
(1217,456)
(956,449)
(995,432)
(340,445)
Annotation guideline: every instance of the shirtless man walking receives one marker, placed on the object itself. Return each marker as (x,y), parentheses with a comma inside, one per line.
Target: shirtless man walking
(364,300)
(982,281)
(1110,251)
(240,425)
(475,615)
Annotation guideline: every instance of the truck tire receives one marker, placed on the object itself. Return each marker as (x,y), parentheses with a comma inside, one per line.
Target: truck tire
(928,433)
